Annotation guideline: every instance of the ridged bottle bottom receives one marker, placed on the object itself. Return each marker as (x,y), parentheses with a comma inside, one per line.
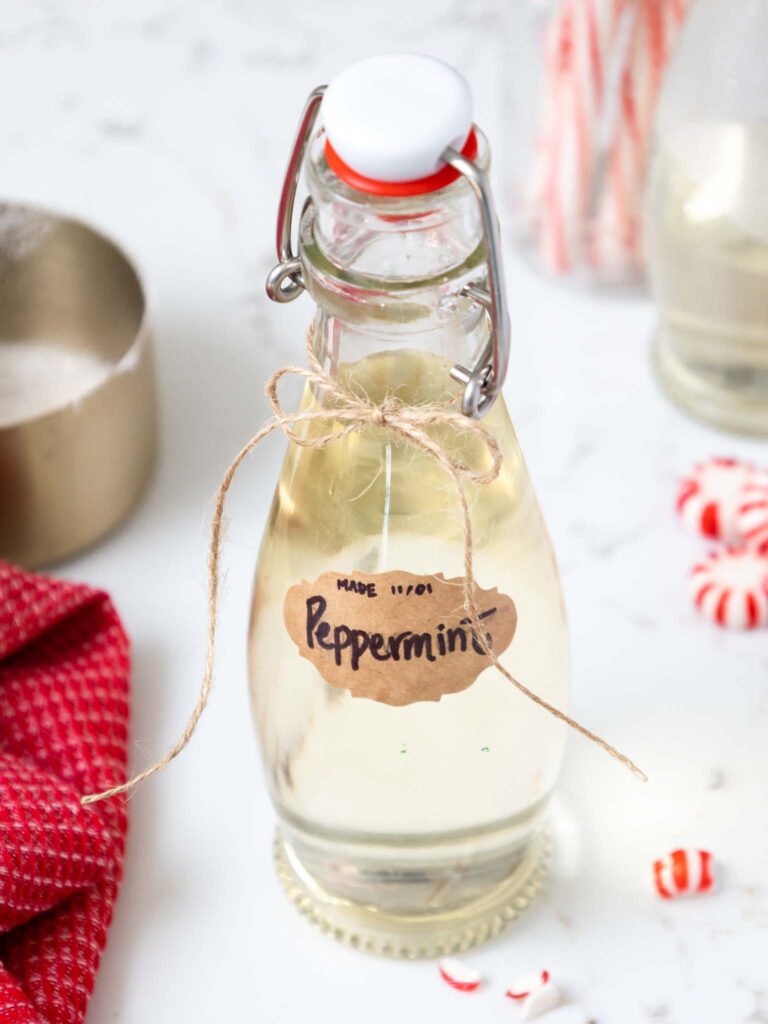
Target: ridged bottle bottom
(414,936)
(734,399)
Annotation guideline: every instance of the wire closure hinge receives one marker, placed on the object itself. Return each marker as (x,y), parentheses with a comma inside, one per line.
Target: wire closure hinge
(284,281)
(483,381)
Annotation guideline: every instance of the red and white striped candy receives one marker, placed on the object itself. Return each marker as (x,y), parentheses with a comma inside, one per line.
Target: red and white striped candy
(576,43)
(541,1001)
(752,515)
(709,498)
(731,588)
(683,873)
(535,994)
(459,975)
(617,242)
(603,62)
(523,987)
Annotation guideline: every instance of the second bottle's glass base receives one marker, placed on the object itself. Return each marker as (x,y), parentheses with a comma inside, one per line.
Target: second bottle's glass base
(411,936)
(715,389)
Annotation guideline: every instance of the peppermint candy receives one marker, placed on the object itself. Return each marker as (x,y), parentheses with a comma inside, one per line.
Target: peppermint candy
(710,497)
(683,873)
(459,975)
(523,987)
(535,994)
(730,588)
(752,514)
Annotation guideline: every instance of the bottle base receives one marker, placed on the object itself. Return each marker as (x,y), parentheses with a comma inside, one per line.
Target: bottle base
(414,936)
(734,399)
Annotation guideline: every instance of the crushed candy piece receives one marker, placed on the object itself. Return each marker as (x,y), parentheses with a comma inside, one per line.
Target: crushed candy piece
(523,987)
(535,994)
(541,1001)
(730,588)
(459,975)
(684,873)
(709,497)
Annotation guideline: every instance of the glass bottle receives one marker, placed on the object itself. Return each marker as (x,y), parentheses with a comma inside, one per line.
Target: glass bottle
(707,218)
(409,823)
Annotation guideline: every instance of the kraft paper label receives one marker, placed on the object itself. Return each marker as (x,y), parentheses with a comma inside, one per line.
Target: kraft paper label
(395,637)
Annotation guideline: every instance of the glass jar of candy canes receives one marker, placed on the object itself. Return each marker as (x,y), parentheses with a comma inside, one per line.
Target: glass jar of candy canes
(707,218)
(587,80)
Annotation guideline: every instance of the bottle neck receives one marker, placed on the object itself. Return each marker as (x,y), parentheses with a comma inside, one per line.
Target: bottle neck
(390,273)
(340,343)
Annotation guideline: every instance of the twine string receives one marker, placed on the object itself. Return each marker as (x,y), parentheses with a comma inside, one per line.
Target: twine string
(354,413)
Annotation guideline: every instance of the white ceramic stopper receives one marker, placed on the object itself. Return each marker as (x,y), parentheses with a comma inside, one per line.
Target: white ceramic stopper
(391,117)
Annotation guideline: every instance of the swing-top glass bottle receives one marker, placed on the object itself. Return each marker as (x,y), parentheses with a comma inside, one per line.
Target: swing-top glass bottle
(410,779)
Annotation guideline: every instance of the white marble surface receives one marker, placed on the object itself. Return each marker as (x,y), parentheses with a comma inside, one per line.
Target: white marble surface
(168,123)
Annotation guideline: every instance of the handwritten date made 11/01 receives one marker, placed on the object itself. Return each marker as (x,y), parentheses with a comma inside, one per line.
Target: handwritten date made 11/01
(369,589)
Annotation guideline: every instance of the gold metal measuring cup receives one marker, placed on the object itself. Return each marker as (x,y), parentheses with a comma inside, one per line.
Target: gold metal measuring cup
(71,472)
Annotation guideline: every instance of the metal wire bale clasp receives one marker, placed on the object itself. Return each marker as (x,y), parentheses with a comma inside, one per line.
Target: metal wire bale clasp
(284,281)
(483,381)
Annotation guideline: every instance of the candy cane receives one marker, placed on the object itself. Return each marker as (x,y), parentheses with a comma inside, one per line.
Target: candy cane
(576,43)
(617,239)
(585,191)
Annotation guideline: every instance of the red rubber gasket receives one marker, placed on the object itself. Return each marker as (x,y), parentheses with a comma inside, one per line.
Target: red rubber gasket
(416,187)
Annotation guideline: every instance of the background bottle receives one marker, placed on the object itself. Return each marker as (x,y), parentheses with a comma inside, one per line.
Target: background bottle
(707,218)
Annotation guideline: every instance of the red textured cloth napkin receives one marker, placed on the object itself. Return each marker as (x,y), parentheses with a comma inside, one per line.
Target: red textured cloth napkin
(64,667)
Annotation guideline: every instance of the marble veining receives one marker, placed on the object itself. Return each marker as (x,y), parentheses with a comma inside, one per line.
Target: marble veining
(168,123)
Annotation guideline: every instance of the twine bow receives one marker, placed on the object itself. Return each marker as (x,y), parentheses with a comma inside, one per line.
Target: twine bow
(356,412)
